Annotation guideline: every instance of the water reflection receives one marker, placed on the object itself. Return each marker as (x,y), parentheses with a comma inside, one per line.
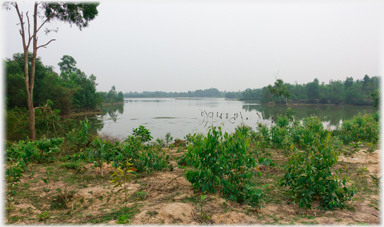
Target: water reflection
(113,110)
(144,100)
(183,116)
(96,125)
(330,113)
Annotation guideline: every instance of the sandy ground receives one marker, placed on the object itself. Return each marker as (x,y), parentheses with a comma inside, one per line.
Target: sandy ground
(170,199)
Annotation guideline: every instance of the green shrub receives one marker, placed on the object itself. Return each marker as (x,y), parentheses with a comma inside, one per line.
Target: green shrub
(305,134)
(39,151)
(146,157)
(359,128)
(98,153)
(223,162)
(168,138)
(79,138)
(309,176)
(143,133)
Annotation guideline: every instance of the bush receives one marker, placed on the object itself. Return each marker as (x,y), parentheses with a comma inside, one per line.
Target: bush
(39,151)
(359,128)
(312,127)
(223,162)
(145,157)
(143,133)
(79,138)
(309,176)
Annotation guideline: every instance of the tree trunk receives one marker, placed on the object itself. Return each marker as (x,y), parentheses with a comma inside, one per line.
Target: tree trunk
(31,120)
(31,108)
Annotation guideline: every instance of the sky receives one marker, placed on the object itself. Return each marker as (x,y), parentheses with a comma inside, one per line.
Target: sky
(178,46)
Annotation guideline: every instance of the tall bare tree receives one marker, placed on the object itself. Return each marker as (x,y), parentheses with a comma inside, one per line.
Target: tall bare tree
(73,13)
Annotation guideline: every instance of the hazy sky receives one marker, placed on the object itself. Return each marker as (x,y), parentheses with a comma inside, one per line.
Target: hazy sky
(229,45)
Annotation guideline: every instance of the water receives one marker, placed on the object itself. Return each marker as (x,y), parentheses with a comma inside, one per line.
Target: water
(183,116)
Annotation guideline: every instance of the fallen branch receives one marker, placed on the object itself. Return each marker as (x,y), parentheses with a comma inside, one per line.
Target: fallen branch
(172,180)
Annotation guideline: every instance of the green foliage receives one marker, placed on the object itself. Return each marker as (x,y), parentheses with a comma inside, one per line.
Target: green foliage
(146,157)
(243,129)
(375,95)
(279,90)
(76,165)
(122,220)
(152,160)
(143,133)
(160,143)
(359,128)
(223,162)
(43,216)
(112,96)
(72,89)
(40,151)
(375,180)
(99,153)
(79,138)
(210,92)
(48,124)
(168,138)
(47,148)
(266,162)
(123,176)
(203,216)
(312,127)
(336,92)
(309,176)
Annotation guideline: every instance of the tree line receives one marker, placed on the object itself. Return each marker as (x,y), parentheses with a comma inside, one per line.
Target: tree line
(211,92)
(357,92)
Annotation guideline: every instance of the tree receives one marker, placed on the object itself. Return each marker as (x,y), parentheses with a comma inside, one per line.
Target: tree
(280,90)
(376,97)
(67,64)
(73,13)
(111,94)
(313,90)
(348,82)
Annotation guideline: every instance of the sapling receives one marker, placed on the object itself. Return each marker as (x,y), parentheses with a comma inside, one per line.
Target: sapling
(98,153)
(203,216)
(168,138)
(122,176)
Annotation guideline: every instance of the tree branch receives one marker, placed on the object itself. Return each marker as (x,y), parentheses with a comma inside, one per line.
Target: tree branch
(21,59)
(46,44)
(44,22)
(29,28)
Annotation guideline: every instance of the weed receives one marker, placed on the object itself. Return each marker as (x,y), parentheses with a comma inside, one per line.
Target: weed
(139,195)
(43,216)
(76,165)
(376,180)
(122,220)
(152,213)
(362,170)
(129,212)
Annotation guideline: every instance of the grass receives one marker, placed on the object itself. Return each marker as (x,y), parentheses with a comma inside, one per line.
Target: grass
(129,212)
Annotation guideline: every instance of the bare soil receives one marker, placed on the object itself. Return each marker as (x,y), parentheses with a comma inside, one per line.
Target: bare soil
(168,198)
